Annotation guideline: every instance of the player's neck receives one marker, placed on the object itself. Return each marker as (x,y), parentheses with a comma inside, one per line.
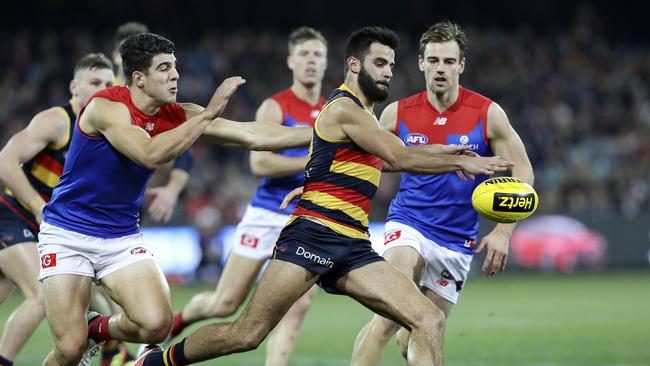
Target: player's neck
(144,102)
(354,86)
(307,93)
(442,101)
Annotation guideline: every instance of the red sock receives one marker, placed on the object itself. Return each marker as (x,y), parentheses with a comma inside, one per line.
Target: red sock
(98,329)
(178,324)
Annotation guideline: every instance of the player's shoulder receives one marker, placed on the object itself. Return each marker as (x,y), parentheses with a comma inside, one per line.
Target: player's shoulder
(472,99)
(414,101)
(283,97)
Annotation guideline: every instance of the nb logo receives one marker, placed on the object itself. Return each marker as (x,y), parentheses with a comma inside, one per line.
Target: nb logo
(440,121)
(27,234)
(149,126)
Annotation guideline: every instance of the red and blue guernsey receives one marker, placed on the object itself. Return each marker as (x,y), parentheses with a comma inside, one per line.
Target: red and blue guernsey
(295,113)
(439,206)
(101,190)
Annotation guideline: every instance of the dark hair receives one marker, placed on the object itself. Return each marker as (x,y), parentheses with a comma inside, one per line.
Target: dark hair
(444,31)
(93,61)
(358,45)
(303,34)
(139,49)
(128,29)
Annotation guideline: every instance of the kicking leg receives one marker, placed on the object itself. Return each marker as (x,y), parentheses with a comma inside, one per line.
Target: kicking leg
(281,285)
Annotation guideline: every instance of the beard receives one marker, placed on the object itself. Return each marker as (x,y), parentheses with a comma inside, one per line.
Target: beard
(370,89)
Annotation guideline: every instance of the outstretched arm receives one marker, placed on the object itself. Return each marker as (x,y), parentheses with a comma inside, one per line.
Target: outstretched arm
(505,142)
(48,128)
(268,164)
(345,118)
(258,135)
(112,120)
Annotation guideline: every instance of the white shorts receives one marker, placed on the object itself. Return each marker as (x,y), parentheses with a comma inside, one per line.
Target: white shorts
(445,270)
(258,232)
(66,252)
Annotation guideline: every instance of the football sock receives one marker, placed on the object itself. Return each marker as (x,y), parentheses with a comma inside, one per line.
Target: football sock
(5,362)
(98,329)
(172,356)
(178,324)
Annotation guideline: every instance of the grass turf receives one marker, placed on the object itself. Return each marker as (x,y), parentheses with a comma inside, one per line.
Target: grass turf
(515,319)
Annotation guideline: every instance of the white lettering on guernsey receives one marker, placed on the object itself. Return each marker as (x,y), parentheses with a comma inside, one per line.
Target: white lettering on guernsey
(314,257)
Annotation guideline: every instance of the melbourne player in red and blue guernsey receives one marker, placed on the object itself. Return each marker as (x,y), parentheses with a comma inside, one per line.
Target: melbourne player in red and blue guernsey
(326,240)
(281,172)
(90,226)
(432,228)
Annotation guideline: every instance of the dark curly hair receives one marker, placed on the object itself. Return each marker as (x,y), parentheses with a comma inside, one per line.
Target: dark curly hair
(139,50)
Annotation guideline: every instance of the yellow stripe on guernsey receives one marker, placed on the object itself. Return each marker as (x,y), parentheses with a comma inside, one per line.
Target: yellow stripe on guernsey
(64,142)
(330,202)
(356,170)
(336,227)
(45,175)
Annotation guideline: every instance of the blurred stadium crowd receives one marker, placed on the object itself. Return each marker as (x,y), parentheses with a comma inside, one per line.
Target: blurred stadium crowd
(580,102)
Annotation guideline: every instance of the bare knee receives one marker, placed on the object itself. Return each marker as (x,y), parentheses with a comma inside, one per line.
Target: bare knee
(36,301)
(155,326)
(431,322)
(382,327)
(221,307)
(69,350)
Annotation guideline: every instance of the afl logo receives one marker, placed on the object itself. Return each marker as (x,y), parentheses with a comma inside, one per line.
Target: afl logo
(416,139)
(464,139)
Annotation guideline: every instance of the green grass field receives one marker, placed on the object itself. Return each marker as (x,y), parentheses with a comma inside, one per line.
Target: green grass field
(588,319)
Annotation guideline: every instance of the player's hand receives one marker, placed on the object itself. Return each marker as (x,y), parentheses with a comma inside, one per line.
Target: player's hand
(163,200)
(295,194)
(221,96)
(497,243)
(461,174)
(485,164)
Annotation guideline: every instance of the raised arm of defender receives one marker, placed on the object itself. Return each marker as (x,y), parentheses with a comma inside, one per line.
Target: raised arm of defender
(259,135)
(113,121)
(346,120)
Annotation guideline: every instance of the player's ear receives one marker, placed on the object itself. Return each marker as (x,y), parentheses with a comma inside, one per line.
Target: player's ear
(461,65)
(290,63)
(421,62)
(137,79)
(354,65)
(73,87)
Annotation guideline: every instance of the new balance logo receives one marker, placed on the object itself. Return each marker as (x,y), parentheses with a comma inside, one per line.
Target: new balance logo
(440,121)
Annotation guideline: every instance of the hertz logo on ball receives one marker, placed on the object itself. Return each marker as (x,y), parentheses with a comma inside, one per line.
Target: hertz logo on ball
(505,199)
(508,202)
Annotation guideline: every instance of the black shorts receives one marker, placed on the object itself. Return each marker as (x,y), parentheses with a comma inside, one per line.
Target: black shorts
(320,249)
(14,229)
